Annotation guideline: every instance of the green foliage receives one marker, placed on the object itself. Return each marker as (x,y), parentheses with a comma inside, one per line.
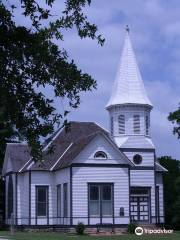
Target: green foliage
(80,227)
(174,117)
(30,60)
(131,228)
(171,181)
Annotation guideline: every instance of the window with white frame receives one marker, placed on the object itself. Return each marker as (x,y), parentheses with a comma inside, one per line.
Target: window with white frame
(65,200)
(59,200)
(100,200)
(41,201)
(100,155)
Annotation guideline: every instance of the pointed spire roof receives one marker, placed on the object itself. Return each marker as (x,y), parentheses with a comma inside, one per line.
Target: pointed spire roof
(128,86)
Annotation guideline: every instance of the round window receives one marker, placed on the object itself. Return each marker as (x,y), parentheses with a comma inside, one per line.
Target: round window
(137,159)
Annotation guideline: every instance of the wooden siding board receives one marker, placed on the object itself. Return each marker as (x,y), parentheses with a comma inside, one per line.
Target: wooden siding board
(99,144)
(159,182)
(84,175)
(144,178)
(147,157)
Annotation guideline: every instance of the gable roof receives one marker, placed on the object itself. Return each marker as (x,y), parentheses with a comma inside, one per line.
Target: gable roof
(128,86)
(79,145)
(67,144)
(18,154)
(63,139)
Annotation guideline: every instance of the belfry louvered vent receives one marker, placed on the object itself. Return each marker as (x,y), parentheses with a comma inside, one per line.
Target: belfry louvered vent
(121,124)
(147,125)
(112,126)
(136,124)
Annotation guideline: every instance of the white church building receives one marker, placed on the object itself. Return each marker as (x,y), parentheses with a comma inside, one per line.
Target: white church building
(94,176)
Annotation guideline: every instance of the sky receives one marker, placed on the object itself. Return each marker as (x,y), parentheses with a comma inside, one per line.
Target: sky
(155,35)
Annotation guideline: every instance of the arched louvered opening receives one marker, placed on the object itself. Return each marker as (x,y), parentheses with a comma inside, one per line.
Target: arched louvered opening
(112,126)
(100,154)
(147,125)
(121,124)
(10,196)
(136,124)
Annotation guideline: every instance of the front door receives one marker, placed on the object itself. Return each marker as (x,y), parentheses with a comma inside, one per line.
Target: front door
(140,205)
(100,203)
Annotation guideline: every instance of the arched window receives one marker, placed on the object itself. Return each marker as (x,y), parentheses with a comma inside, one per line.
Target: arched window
(136,124)
(121,124)
(100,154)
(137,159)
(10,196)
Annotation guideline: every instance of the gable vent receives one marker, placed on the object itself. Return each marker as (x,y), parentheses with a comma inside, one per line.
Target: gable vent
(136,124)
(121,124)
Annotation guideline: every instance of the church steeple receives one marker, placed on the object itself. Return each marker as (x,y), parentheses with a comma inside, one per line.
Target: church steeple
(129,106)
(128,86)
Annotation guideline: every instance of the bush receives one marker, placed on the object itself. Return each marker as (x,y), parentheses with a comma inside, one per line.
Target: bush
(80,228)
(131,228)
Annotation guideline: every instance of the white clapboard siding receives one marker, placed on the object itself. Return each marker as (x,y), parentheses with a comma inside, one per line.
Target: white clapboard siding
(159,182)
(147,157)
(41,179)
(60,177)
(100,143)
(144,178)
(23,198)
(84,175)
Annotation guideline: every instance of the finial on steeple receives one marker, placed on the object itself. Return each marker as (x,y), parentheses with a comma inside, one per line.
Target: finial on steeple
(127,28)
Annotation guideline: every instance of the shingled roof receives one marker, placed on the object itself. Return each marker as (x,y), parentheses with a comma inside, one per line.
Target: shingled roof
(18,153)
(66,143)
(78,135)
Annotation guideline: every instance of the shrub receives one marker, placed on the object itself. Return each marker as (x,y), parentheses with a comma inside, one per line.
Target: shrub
(131,228)
(80,228)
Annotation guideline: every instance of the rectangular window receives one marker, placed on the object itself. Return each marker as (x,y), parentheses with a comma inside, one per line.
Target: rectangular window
(65,200)
(42,201)
(100,200)
(58,200)
(136,124)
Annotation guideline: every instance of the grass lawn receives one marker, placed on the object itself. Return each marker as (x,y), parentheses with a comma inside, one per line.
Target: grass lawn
(60,236)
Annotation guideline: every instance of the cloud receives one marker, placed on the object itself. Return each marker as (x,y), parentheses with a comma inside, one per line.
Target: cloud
(155,33)
(152,29)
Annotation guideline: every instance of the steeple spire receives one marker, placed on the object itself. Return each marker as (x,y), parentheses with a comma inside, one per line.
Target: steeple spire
(128,86)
